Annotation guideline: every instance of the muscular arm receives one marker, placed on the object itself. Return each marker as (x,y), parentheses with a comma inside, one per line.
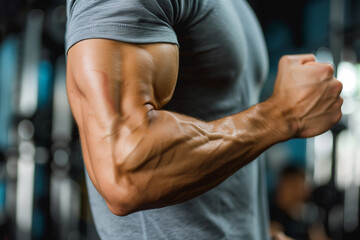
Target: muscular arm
(139,156)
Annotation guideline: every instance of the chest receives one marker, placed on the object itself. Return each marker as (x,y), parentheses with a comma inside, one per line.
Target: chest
(222,43)
(222,61)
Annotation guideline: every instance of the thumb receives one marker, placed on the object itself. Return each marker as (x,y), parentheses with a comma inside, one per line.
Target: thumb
(299,59)
(306,59)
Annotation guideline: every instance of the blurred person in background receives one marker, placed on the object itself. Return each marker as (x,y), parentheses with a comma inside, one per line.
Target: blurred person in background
(165,95)
(289,205)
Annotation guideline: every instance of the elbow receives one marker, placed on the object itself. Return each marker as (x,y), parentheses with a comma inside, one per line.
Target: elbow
(120,185)
(119,209)
(120,206)
(121,199)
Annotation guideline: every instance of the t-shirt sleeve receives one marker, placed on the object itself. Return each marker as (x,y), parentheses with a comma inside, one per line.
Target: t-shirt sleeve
(132,21)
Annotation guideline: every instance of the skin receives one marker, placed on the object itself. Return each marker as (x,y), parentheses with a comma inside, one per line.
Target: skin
(141,157)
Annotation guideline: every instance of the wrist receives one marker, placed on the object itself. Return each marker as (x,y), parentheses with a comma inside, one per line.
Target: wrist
(283,123)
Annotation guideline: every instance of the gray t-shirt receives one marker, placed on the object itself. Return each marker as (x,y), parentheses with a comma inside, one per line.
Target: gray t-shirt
(223,62)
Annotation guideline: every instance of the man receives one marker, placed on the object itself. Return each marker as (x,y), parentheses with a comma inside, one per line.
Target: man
(165,96)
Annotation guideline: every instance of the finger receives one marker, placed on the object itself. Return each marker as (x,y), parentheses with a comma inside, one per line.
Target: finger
(306,58)
(337,87)
(328,69)
(334,88)
(336,105)
(300,59)
(323,70)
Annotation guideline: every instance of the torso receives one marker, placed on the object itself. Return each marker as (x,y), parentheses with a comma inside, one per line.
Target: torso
(223,60)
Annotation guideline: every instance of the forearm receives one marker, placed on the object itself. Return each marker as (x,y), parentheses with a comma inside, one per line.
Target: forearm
(169,158)
(188,157)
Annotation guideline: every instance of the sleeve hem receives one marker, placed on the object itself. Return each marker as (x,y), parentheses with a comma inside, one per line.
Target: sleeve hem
(120,32)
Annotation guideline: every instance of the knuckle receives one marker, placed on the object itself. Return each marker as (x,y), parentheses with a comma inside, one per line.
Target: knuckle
(336,86)
(337,117)
(339,86)
(337,105)
(329,69)
(307,59)
(341,101)
(311,56)
(285,59)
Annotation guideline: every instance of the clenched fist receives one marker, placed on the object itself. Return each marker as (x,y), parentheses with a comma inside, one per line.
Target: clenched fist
(307,94)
